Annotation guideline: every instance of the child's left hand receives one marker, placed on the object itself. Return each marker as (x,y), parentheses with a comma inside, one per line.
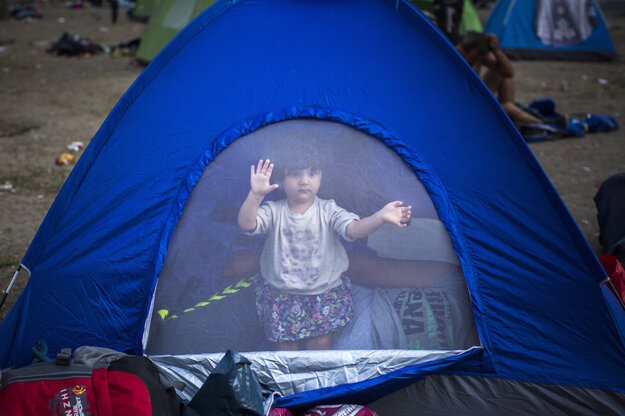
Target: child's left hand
(396,213)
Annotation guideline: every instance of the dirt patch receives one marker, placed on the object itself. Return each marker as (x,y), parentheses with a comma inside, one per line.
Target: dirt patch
(47,102)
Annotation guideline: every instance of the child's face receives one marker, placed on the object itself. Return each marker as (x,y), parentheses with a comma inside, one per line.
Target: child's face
(301,186)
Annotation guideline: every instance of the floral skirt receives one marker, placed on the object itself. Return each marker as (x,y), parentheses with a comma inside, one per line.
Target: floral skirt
(292,317)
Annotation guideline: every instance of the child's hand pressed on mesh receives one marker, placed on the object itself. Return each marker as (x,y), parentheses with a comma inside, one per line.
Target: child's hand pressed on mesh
(259,178)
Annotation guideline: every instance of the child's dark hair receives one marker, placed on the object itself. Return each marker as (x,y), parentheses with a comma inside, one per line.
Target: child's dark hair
(476,40)
(297,154)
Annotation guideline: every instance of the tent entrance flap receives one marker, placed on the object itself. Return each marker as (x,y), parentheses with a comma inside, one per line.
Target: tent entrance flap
(301,276)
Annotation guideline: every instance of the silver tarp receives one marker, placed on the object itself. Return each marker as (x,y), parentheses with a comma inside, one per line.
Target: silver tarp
(291,372)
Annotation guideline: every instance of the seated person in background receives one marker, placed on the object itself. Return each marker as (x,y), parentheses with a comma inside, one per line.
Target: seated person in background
(408,304)
(480,49)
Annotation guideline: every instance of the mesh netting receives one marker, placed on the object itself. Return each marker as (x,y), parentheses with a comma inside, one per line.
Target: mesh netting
(397,288)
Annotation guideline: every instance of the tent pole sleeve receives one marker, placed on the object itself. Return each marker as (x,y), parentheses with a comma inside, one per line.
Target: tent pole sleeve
(8,289)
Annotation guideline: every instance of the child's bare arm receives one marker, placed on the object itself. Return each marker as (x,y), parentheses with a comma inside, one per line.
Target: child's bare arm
(247,213)
(259,187)
(393,213)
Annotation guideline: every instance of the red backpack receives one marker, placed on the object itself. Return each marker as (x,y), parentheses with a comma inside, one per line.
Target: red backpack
(107,383)
(616,272)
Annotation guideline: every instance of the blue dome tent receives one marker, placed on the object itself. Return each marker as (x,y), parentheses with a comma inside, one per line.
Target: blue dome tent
(136,253)
(551,29)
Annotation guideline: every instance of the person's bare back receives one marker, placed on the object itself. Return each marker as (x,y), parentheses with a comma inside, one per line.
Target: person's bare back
(482,52)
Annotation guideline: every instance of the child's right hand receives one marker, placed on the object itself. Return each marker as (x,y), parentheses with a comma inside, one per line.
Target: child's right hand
(259,178)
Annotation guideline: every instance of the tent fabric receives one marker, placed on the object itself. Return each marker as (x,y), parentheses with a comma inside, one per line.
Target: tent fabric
(494,396)
(143,9)
(551,29)
(166,19)
(358,367)
(533,279)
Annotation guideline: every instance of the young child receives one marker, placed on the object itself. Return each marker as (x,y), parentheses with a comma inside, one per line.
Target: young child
(304,295)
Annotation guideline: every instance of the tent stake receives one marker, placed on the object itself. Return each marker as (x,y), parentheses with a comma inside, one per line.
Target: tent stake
(6,292)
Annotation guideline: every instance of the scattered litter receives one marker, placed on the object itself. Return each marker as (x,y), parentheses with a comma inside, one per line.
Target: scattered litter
(564,85)
(586,222)
(37,66)
(73,45)
(555,125)
(2,49)
(7,187)
(104,29)
(61,19)
(24,12)
(75,4)
(68,157)
(5,70)
(124,49)
(64,159)
(587,168)
(602,81)
(39,196)
(543,84)
(585,77)
(75,146)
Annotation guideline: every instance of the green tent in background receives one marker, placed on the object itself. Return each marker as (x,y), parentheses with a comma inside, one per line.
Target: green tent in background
(143,9)
(469,21)
(165,23)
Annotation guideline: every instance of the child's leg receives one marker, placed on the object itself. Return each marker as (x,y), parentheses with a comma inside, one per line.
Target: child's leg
(287,346)
(321,342)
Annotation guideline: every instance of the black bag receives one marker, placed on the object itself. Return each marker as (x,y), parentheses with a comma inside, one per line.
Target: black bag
(231,389)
